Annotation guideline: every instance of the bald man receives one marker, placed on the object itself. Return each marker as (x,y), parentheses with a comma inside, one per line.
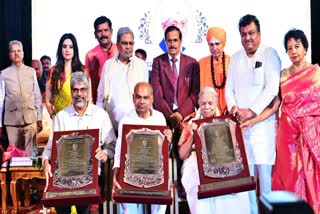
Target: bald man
(142,114)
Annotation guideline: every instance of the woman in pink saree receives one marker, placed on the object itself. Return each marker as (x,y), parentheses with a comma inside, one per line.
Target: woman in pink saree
(297,167)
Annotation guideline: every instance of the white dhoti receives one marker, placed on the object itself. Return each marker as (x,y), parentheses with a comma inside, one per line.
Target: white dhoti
(232,203)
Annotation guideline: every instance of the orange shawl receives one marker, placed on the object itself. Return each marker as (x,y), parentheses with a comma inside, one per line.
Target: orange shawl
(206,78)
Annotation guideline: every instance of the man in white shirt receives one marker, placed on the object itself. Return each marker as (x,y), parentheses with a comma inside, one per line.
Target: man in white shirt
(142,114)
(252,83)
(119,76)
(82,115)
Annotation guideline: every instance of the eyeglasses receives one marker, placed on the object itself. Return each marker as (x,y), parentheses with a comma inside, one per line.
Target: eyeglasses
(125,43)
(77,90)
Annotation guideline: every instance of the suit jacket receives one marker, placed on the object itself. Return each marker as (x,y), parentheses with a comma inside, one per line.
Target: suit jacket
(163,88)
(22,97)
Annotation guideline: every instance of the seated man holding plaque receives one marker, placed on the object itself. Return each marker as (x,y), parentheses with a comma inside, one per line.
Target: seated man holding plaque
(143,114)
(232,203)
(81,115)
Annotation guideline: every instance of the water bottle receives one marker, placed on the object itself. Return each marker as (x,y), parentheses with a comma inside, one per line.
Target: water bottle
(34,156)
(35,152)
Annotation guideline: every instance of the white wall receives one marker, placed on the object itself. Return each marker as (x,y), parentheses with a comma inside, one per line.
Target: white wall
(51,19)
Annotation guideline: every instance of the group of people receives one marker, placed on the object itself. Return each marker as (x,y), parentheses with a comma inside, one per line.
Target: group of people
(115,87)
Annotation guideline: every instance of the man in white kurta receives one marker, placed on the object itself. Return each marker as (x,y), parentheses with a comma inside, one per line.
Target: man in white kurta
(252,83)
(142,114)
(119,76)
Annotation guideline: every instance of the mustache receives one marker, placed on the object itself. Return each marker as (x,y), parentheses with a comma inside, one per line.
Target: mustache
(81,97)
(142,105)
(103,37)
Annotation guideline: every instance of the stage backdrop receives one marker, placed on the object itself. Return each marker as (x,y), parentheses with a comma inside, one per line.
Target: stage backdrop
(147,19)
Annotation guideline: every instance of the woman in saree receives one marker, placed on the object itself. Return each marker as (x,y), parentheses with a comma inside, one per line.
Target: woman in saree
(232,203)
(58,92)
(297,167)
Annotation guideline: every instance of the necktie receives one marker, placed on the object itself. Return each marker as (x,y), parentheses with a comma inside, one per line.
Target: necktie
(175,79)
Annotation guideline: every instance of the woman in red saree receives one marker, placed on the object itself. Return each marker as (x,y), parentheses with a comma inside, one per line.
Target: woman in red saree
(297,167)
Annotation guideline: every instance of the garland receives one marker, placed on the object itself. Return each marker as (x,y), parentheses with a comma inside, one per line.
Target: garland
(224,73)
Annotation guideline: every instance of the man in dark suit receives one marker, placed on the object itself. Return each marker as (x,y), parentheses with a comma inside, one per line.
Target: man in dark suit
(175,99)
(175,82)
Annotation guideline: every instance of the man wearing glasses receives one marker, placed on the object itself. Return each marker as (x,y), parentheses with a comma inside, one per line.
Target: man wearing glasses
(80,115)
(120,74)
(252,84)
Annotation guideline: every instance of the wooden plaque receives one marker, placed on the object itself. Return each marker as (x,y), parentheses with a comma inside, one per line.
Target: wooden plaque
(74,169)
(222,161)
(144,172)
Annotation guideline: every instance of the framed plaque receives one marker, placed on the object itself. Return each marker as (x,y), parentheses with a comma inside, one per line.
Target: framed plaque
(222,161)
(74,168)
(144,172)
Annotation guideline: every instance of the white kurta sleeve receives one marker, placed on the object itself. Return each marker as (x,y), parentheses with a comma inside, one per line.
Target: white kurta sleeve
(46,154)
(116,163)
(100,90)
(229,92)
(108,137)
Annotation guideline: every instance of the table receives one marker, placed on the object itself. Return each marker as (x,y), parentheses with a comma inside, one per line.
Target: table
(26,173)
(3,178)
(23,172)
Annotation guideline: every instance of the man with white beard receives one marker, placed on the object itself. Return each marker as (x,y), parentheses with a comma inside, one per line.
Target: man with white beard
(82,114)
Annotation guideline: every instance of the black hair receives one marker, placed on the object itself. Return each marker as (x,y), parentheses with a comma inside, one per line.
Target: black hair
(76,64)
(45,57)
(101,20)
(247,19)
(172,28)
(142,52)
(297,35)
